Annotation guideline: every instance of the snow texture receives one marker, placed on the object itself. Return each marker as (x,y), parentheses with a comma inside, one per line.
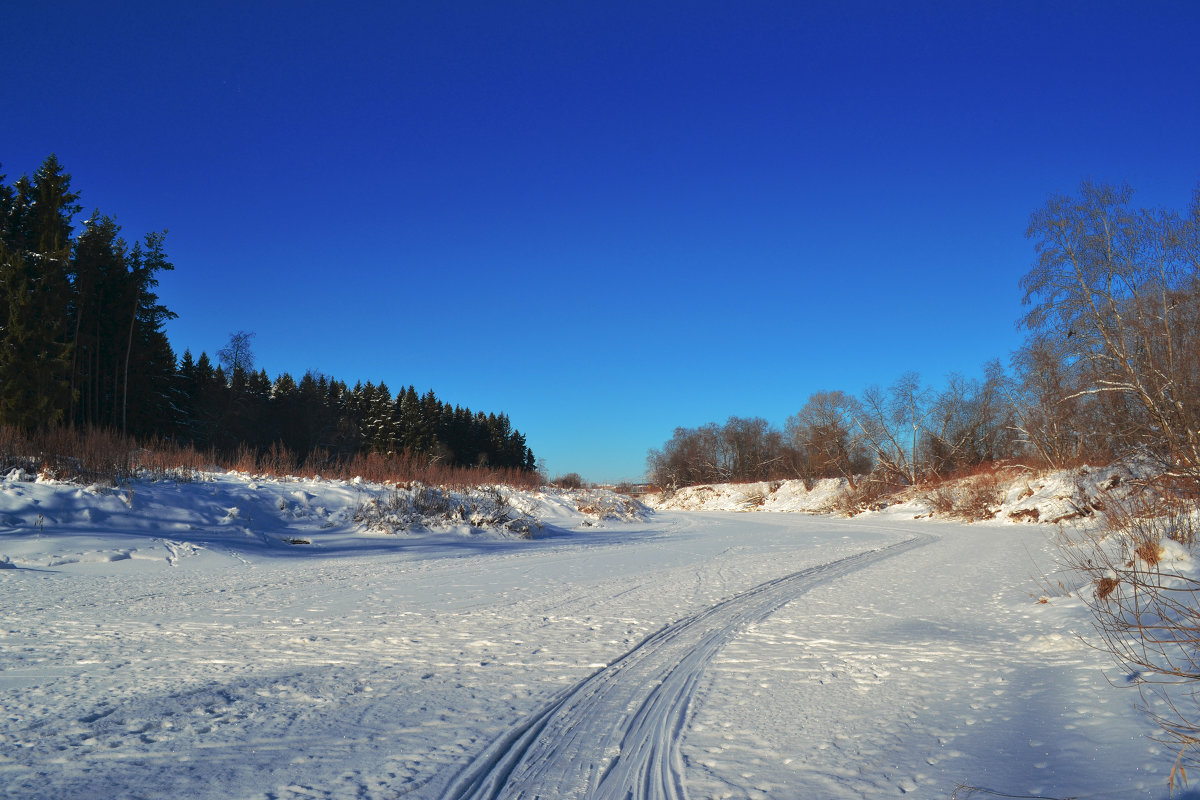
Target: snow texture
(238,637)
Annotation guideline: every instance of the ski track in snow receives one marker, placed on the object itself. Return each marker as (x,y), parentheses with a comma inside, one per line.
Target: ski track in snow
(616,734)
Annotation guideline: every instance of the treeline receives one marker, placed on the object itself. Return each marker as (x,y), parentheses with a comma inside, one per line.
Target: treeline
(82,345)
(226,409)
(81,338)
(1111,365)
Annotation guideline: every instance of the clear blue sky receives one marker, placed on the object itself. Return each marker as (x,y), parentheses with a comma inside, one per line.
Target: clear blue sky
(606,219)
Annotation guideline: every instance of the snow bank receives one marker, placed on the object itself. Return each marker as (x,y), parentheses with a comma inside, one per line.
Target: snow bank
(794,495)
(1053,496)
(49,523)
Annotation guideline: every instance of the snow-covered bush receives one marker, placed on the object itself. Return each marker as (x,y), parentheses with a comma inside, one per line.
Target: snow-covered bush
(420,506)
(604,505)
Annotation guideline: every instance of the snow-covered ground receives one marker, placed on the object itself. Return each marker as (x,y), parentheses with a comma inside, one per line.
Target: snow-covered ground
(168,640)
(792,495)
(1019,495)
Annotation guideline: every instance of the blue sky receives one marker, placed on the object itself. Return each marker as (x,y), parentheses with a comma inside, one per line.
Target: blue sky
(605,219)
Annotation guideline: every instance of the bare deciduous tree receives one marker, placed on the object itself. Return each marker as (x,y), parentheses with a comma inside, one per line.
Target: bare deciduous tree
(968,423)
(237,354)
(824,432)
(743,449)
(1116,292)
(891,422)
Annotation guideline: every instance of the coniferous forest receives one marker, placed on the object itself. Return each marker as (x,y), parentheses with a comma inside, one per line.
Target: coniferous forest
(82,345)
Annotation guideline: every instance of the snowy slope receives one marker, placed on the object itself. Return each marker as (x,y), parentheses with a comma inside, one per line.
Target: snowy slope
(156,642)
(791,495)
(233,515)
(1020,495)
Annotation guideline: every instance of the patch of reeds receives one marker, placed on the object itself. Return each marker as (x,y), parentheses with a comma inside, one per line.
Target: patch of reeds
(95,455)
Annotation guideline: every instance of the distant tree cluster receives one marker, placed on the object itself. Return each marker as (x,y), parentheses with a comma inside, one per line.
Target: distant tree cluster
(899,434)
(230,404)
(82,344)
(1111,364)
(743,449)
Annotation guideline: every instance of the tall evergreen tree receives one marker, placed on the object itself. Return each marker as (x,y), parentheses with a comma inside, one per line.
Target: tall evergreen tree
(35,350)
(123,368)
(150,395)
(100,305)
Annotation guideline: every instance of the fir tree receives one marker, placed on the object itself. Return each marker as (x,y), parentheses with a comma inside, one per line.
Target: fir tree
(35,351)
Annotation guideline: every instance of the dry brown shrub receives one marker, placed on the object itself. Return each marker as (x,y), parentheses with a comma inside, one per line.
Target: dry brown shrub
(982,496)
(1164,508)
(315,463)
(971,498)
(1146,612)
(870,494)
(1106,586)
(1148,551)
(97,455)
(941,499)
(168,459)
(244,460)
(278,461)
(92,455)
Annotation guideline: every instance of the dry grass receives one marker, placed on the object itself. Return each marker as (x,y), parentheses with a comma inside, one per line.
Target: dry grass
(870,494)
(94,455)
(1164,508)
(975,493)
(972,494)
(608,506)
(1106,586)
(1148,551)
(756,499)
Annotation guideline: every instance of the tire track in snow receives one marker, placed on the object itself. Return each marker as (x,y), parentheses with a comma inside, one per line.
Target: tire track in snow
(616,733)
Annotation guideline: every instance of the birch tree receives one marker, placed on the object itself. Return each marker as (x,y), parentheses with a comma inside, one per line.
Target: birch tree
(1117,290)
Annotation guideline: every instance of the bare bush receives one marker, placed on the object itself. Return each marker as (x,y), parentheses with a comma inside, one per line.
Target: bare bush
(1164,509)
(1146,611)
(99,455)
(868,494)
(572,480)
(972,497)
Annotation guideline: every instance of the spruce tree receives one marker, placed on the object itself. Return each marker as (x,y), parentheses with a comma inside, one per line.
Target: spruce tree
(35,351)
(150,393)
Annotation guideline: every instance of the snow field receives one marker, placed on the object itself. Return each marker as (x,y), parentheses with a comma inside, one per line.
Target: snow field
(914,675)
(220,662)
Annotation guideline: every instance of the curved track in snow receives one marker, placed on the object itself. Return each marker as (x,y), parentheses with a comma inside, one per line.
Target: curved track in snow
(616,733)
